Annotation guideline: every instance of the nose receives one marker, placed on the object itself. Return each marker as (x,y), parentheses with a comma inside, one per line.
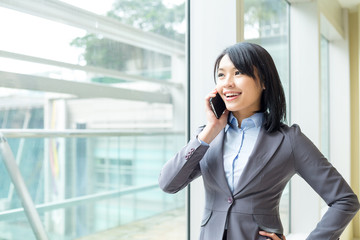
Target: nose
(229,81)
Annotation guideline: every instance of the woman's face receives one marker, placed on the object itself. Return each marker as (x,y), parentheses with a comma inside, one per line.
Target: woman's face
(241,93)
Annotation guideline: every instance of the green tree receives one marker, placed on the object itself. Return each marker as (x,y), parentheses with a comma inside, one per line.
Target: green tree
(151,16)
(260,13)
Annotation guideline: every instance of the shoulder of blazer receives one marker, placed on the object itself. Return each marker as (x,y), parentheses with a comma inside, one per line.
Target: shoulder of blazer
(291,133)
(290,130)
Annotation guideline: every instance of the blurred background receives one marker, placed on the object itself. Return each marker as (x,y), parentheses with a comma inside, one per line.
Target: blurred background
(95,96)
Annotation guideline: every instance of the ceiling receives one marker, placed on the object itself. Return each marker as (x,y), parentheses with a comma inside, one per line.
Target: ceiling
(349,3)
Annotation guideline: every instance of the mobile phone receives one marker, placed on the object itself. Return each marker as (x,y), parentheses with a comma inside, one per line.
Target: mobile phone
(217,105)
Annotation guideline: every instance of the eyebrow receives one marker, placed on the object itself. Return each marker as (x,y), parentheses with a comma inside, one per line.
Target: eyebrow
(222,69)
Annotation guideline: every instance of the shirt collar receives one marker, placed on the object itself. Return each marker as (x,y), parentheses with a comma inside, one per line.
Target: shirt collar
(254,120)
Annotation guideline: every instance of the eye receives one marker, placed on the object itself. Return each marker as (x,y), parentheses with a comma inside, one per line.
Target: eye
(237,72)
(220,75)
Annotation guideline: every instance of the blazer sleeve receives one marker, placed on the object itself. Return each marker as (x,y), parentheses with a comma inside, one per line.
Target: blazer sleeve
(316,170)
(184,167)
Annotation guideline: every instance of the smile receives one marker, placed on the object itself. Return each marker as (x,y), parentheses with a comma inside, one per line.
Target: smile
(229,96)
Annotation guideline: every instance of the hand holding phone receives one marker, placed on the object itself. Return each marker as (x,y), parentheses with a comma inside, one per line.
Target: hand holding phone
(217,105)
(214,125)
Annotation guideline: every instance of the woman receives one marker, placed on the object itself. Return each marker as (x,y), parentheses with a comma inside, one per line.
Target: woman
(248,155)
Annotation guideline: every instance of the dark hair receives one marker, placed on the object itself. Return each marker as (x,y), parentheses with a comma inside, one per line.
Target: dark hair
(248,57)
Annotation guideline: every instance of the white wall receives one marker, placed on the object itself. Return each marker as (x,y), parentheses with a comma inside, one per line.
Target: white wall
(340,103)
(212,28)
(305,108)
(305,27)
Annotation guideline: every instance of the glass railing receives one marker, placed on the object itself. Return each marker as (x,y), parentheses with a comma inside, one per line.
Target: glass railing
(89,182)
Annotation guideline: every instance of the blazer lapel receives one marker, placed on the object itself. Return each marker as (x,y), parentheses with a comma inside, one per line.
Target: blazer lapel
(216,162)
(265,147)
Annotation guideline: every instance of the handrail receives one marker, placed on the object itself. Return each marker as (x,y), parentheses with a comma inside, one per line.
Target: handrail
(32,211)
(76,133)
(10,214)
(21,189)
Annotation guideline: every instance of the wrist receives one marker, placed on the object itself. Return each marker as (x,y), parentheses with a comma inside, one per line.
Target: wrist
(209,133)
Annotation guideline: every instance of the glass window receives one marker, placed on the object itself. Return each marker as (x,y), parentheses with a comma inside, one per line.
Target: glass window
(325,105)
(266,22)
(325,97)
(88,103)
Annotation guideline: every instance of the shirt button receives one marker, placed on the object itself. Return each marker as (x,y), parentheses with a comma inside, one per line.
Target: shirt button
(230,200)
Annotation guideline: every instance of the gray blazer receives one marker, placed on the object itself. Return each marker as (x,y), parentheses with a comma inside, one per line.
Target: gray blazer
(254,205)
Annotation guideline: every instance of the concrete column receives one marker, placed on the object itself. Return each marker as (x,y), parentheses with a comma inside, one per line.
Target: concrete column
(305,105)
(354,103)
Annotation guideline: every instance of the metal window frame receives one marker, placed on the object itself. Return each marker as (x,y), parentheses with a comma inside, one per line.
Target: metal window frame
(71,202)
(96,70)
(79,89)
(65,13)
(82,133)
(58,11)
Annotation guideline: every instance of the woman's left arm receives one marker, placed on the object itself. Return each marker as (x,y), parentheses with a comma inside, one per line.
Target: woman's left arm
(316,170)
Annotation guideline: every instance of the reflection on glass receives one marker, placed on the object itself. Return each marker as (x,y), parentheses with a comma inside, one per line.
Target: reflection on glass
(266,22)
(97,184)
(163,17)
(110,54)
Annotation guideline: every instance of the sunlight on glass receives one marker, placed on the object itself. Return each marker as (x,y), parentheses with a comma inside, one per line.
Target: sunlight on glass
(90,106)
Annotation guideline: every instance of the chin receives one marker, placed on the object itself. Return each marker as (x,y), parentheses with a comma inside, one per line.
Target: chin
(232,109)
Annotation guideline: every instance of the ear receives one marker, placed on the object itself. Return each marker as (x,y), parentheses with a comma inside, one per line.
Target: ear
(263,86)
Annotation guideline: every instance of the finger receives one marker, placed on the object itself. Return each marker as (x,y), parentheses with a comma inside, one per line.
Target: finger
(207,99)
(273,236)
(225,114)
(210,95)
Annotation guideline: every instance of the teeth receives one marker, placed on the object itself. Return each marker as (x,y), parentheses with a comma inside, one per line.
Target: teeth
(232,94)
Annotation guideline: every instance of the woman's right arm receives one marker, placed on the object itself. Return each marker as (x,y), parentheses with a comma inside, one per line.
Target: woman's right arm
(184,167)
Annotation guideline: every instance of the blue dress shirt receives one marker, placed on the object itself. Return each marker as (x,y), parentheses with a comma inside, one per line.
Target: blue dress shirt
(238,145)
